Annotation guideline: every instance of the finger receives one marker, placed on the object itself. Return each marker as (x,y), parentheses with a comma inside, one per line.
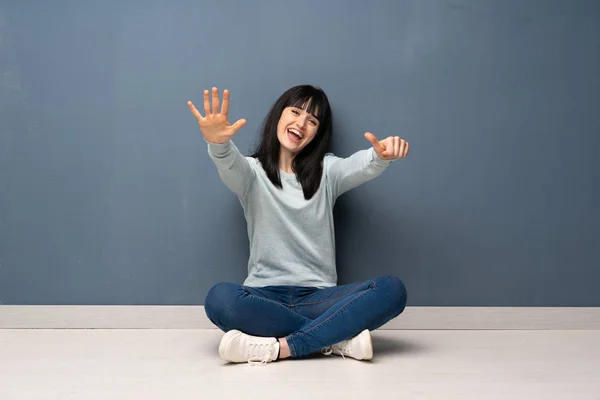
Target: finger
(407,149)
(238,125)
(402,152)
(379,148)
(206,103)
(396,147)
(215,100)
(225,107)
(388,146)
(194,111)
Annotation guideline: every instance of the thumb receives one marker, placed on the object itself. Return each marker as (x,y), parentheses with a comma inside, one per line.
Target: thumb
(379,148)
(238,125)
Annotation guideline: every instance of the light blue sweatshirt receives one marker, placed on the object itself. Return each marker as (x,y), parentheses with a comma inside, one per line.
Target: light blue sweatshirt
(292,240)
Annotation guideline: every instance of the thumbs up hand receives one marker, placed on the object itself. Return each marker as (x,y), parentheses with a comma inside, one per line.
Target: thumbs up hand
(390,148)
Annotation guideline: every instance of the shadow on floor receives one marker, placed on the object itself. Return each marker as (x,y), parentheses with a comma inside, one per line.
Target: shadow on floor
(383,345)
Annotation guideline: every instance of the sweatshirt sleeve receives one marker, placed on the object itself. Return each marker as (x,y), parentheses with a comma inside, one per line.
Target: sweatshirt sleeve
(234,169)
(344,174)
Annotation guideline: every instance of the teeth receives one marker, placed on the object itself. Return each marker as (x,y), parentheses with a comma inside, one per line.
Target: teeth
(295,132)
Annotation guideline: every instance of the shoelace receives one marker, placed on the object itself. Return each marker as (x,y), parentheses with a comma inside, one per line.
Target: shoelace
(260,353)
(331,349)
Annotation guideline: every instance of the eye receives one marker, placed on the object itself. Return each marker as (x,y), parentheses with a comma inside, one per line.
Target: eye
(312,121)
(295,112)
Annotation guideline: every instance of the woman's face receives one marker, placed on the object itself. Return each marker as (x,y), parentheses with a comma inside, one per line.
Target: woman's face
(296,129)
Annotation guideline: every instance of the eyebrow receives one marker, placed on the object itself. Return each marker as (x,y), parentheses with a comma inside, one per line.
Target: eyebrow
(314,116)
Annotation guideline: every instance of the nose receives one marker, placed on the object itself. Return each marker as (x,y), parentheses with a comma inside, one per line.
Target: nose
(301,121)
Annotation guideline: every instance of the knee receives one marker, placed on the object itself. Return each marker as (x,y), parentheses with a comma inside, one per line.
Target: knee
(394,292)
(220,301)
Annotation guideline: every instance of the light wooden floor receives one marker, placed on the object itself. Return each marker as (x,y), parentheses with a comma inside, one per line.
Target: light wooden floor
(183,364)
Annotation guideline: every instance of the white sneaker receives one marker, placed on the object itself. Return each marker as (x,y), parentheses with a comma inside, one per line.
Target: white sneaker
(239,347)
(359,347)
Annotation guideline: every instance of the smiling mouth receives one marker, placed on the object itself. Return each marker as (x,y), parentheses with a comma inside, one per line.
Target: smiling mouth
(294,136)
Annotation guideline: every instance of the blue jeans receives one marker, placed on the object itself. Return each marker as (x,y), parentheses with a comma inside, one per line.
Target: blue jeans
(309,318)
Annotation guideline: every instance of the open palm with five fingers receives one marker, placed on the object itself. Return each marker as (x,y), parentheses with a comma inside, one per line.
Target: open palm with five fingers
(215,126)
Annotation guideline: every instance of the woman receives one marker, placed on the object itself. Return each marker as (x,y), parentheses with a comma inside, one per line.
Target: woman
(290,304)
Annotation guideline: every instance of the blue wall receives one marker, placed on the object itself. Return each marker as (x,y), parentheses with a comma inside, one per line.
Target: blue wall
(107,195)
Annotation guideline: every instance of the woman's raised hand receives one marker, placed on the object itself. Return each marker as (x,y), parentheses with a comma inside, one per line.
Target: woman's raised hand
(215,126)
